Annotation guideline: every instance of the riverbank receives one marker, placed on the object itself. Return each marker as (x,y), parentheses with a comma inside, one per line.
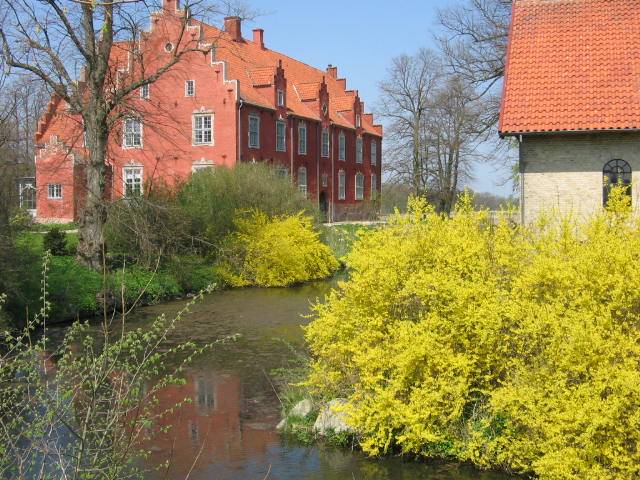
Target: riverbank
(227,430)
(75,291)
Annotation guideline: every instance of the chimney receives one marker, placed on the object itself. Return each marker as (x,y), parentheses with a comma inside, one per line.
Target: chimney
(233,26)
(170,6)
(258,37)
(332,71)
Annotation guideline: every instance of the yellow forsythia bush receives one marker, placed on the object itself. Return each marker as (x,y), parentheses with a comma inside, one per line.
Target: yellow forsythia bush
(275,251)
(510,347)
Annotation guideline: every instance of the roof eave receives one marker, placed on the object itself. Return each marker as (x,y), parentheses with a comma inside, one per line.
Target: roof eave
(537,133)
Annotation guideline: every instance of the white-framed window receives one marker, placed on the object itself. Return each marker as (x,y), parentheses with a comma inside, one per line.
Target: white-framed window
(281,136)
(358,121)
(342,147)
(201,165)
(325,180)
(132,133)
(254,131)
(374,152)
(374,186)
(358,150)
(144,91)
(342,185)
(325,143)
(203,129)
(54,191)
(280,97)
(132,179)
(359,186)
(302,138)
(189,88)
(302,180)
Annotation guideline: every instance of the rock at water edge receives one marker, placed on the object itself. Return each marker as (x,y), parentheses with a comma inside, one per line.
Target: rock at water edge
(302,408)
(331,420)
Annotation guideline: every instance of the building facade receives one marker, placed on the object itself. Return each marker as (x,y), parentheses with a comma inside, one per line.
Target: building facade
(239,102)
(572,100)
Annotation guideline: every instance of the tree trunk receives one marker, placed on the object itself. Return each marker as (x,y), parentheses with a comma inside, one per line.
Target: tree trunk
(93,216)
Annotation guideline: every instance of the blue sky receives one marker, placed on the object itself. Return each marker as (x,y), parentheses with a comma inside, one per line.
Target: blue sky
(359,37)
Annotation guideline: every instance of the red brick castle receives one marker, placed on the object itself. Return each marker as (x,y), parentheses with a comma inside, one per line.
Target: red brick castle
(241,102)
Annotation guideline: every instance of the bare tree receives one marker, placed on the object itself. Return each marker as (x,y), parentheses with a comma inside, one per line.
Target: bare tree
(474,45)
(404,103)
(436,124)
(456,131)
(52,39)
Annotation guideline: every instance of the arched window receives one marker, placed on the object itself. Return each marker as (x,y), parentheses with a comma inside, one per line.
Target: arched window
(302,180)
(359,186)
(615,172)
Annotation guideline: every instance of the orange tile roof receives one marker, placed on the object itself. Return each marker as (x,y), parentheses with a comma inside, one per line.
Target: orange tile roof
(245,59)
(308,91)
(572,65)
(262,75)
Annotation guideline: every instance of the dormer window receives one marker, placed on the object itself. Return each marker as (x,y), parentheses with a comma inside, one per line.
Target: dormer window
(189,88)
(325,109)
(280,98)
(358,121)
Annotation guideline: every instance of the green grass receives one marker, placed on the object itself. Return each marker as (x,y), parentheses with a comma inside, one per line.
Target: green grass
(75,291)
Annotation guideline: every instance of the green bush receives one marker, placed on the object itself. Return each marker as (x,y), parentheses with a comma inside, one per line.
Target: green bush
(148,286)
(211,198)
(55,241)
(275,252)
(193,273)
(511,347)
(73,289)
(147,229)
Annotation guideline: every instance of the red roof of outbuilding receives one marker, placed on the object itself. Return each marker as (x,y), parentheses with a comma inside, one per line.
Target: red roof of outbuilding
(572,65)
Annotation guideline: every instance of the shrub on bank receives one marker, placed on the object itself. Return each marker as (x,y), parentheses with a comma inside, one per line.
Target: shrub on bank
(275,252)
(211,198)
(506,346)
(144,285)
(147,229)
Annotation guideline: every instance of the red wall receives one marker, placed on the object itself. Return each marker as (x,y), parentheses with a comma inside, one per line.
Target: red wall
(167,154)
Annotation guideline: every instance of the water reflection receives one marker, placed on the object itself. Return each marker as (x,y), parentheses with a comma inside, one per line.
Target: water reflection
(209,435)
(227,430)
(220,434)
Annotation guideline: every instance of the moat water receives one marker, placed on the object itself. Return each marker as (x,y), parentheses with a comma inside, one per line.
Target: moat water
(228,429)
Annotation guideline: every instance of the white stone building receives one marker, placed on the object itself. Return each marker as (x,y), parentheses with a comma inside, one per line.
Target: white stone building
(572,99)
